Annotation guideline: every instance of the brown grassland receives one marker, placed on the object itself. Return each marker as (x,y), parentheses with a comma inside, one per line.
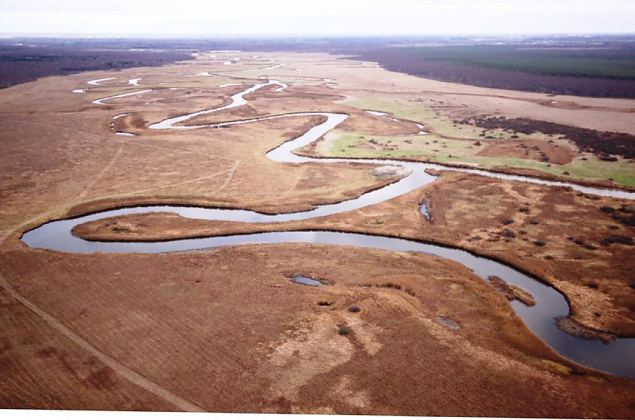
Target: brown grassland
(225,330)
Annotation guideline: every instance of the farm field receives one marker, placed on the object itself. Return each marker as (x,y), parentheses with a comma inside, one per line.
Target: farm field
(601,69)
(111,182)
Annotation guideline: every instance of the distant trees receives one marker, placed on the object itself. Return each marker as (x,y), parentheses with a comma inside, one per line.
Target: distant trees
(20,64)
(593,74)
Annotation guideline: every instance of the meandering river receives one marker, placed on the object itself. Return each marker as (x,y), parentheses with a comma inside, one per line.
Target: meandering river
(617,358)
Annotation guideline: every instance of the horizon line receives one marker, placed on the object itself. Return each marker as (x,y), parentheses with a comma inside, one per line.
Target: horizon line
(309,36)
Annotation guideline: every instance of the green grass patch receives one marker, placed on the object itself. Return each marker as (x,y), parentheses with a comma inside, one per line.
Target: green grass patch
(437,149)
(432,119)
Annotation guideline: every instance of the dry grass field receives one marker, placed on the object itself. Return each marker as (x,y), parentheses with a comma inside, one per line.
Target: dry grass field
(225,330)
(501,219)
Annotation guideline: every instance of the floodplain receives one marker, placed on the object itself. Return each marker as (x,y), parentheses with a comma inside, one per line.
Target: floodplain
(408,326)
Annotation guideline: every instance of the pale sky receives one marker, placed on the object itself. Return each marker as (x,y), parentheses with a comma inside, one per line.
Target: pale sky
(321,18)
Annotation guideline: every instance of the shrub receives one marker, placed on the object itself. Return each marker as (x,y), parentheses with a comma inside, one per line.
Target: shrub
(617,239)
(508,233)
(343,330)
(608,158)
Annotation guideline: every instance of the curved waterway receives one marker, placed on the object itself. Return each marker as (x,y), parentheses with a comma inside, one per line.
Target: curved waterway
(616,358)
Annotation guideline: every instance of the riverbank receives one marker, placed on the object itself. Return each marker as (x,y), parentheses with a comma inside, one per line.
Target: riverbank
(490,217)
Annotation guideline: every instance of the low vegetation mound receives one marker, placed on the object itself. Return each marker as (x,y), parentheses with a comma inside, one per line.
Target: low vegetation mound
(512,292)
(603,143)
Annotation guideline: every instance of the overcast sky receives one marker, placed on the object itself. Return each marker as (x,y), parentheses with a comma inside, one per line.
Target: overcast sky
(330,17)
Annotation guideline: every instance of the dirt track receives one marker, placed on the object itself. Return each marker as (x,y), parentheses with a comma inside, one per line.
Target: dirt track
(194,319)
